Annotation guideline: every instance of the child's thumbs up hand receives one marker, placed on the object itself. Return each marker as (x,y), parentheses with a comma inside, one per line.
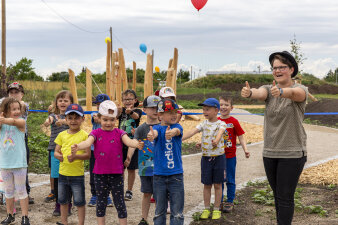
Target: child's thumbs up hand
(169,133)
(133,131)
(214,143)
(274,89)
(74,148)
(128,110)
(140,144)
(151,135)
(246,91)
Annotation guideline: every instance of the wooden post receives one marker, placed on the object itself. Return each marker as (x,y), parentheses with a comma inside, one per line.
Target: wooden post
(134,76)
(170,63)
(118,83)
(72,84)
(108,74)
(170,78)
(122,66)
(115,69)
(3,45)
(148,78)
(174,65)
(89,90)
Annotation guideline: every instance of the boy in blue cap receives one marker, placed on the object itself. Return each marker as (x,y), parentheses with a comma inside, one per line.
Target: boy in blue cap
(213,159)
(96,124)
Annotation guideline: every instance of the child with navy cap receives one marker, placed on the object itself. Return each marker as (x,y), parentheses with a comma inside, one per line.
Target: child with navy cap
(213,159)
(71,172)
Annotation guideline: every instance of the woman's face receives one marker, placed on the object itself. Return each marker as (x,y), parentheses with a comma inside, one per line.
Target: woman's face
(281,72)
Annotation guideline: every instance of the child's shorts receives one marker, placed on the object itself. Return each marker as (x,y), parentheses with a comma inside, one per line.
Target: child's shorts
(49,159)
(213,169)
(55,165)
(71,185)
(14,182)
(146,184)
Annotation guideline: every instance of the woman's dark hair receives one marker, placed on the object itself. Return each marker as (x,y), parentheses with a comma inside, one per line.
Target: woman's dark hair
(283,60)
(6,105)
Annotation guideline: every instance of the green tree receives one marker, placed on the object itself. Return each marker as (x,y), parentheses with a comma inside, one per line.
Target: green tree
(59,76)
(331,75)
(23,70)
(297,53)
(183,76)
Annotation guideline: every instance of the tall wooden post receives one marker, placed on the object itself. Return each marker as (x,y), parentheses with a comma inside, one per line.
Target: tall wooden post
(118,83)
(108,74)
(122,67)
(171,78)
(89,90)
(148,77)
(114,73)
(3,43)
(72,84)
(134,76)
(174,65)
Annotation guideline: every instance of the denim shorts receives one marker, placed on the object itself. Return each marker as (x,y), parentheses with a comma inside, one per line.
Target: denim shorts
(213,169)
(71,185)
(146,184)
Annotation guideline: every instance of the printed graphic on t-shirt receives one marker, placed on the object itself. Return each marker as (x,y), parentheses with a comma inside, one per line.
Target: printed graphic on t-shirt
(8,140)
(228,136)
(169,153)
(146,157)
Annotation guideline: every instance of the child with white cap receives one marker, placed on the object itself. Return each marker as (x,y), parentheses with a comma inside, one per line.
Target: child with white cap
(108,169)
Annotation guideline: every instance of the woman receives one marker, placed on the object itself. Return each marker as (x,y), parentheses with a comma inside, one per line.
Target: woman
(284,153)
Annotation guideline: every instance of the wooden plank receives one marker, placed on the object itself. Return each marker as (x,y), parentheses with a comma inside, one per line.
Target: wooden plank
(89,94)
(108,74)
(134,76)
(148,78)
(122,66)
(72,84)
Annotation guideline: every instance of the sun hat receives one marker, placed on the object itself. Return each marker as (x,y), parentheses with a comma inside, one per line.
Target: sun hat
(212,102)
(74,108)
(166,105)
(167,92)
(151,101)
(289,57)
(15,85)
(105,106)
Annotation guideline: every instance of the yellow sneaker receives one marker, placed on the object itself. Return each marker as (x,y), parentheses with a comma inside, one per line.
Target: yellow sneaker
(216,214)
(205,214)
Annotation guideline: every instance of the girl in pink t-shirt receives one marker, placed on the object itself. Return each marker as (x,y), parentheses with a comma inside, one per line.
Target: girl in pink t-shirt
(108,169)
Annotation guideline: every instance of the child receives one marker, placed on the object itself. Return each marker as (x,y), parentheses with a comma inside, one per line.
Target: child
(168,93)
(146,155)
(13,161)
(71,173)
(96,124)
(108,170)
(16,90)
(168,170)
(128,121)
(58,123)
(233,130)
(213,160)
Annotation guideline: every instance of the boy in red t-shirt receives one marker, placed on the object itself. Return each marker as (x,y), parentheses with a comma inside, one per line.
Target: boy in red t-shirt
(233,130)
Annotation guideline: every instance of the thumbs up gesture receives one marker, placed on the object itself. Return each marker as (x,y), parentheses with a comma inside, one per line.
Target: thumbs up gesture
(151,135)
(140,144)
(275,91)
(246,91)
(169,133)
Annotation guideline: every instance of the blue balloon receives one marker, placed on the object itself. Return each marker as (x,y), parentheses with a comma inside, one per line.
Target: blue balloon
(143,48)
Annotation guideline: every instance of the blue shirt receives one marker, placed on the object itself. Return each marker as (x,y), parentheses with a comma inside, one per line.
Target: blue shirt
(12,148)
(167,153)
(95,126)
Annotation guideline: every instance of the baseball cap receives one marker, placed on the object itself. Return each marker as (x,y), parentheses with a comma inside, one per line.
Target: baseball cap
(213,102)
(151,101)
(167,92)
(105,106)
(74,108)
(100,98)
(166,105)
(15,85)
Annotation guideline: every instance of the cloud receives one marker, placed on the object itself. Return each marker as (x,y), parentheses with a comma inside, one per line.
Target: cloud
(319,67)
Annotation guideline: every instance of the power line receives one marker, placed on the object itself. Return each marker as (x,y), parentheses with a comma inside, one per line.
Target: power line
(66,20)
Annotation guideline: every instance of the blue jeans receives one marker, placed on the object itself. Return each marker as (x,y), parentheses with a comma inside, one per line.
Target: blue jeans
(69,185)
(174,186)
(230,181)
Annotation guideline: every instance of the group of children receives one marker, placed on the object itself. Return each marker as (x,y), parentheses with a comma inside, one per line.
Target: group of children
(158,144)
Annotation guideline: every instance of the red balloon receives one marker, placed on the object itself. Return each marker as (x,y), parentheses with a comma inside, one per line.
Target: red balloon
(199,4)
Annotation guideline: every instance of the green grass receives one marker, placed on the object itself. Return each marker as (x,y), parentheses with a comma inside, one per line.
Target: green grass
(188,91)
(321,96)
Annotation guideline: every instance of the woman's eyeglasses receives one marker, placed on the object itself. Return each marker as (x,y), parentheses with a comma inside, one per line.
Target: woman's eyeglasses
(280,68)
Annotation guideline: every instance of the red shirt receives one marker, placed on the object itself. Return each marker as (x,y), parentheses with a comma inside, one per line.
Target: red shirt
(233,130)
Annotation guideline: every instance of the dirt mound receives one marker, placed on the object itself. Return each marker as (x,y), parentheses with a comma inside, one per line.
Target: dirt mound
(325,105)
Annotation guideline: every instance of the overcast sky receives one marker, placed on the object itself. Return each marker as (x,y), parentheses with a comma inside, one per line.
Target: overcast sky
(224,35)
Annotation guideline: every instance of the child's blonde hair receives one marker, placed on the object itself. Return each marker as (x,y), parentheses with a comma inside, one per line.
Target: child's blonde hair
(61,94)
(6,105)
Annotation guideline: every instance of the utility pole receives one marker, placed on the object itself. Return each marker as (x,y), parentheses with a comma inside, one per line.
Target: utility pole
(3,42)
